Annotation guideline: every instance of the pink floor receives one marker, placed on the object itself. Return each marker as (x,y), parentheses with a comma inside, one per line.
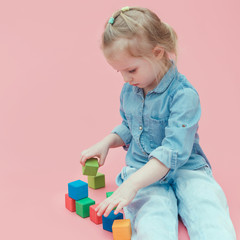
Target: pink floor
(32,200)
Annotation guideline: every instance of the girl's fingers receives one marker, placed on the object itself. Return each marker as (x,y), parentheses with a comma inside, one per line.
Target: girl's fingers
(82,160)
(102,207)
(109,208)
(106,206)
(119,207)
(101,161)
(83,157)
(102,158)
(98,207)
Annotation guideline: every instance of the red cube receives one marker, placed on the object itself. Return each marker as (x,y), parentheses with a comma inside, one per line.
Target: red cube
(93,215)
(70,203)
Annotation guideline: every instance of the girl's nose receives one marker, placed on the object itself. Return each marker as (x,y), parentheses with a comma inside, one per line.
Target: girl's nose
(127,78)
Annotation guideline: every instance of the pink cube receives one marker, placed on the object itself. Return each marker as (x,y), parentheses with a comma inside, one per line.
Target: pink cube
(93,215)
(70,203)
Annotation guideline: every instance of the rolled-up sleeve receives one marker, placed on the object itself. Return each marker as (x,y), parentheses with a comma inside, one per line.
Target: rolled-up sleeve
(176,147)
(123,129)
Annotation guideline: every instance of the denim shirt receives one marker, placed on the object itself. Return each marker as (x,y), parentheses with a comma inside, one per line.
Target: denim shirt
(163,125)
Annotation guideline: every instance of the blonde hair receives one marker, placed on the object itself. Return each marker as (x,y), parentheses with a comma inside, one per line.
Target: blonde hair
(144,30)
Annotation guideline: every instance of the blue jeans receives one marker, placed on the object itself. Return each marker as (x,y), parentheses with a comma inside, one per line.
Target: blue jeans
(194,195)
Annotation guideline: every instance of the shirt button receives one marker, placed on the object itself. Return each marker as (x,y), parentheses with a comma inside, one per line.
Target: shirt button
(140,128)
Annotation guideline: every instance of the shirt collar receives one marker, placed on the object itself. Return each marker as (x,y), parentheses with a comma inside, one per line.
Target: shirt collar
(165,81)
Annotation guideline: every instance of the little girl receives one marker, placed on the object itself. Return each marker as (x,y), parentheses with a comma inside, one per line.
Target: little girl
(166,171)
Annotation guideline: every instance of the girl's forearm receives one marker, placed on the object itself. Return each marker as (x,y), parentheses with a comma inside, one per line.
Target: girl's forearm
(113,140)
(151,172)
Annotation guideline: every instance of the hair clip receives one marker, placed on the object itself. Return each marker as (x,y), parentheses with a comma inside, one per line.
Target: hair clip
(111,20)
(125,9)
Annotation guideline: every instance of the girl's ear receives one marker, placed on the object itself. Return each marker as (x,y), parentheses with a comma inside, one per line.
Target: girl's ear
(158,52)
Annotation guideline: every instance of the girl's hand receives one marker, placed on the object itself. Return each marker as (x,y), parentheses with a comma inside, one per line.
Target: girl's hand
(120,198)
(99,150)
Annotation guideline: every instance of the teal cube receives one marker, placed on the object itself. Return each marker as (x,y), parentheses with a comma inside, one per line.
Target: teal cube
(82,207)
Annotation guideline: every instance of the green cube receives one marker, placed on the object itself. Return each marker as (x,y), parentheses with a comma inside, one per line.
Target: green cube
(108,194)
(82,207)
(97,181)
(91,167)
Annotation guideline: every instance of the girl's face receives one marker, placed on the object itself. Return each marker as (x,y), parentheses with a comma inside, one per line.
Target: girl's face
(137,71)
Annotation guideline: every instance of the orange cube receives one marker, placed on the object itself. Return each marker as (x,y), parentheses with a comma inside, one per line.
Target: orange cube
(70,203)
(93,215)
(122,229)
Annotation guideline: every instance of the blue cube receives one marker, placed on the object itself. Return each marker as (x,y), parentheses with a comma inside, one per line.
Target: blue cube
(108,221)
(77,190)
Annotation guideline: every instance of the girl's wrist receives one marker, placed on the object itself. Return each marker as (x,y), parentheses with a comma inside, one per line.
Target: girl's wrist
(106,142)
(133,183)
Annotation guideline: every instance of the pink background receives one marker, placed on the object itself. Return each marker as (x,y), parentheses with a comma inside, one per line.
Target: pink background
(58,96)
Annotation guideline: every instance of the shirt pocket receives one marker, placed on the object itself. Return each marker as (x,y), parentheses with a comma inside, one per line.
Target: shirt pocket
(157,131)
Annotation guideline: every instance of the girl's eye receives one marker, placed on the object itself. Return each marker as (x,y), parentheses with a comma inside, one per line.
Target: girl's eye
(132,71)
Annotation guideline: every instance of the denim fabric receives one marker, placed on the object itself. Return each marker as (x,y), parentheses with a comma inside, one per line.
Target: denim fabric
(194,195)
(163,124)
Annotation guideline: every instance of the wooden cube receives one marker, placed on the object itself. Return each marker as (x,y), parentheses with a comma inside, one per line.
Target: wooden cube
(82,207)
(93,215)
(122,229)
(70,203)
(108,221)
(108,194)
(97,181)
(77,190)
(91,167)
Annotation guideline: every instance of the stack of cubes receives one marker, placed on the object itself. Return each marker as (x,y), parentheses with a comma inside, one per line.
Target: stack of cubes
(77,200)
(96,180)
